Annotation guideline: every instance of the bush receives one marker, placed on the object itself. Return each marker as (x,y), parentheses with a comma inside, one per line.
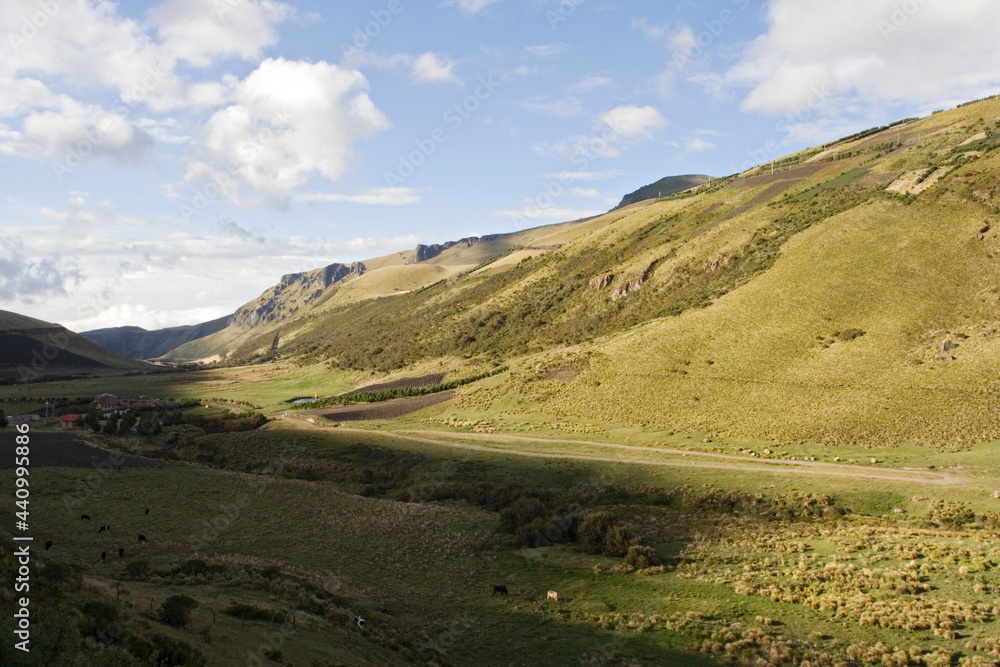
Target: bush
(176,610)
(176,653)
(249,612)
(950,513)
(592,530)
(138,569)
(642,557)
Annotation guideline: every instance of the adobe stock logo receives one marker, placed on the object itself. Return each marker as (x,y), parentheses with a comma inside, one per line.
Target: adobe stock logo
(901,15)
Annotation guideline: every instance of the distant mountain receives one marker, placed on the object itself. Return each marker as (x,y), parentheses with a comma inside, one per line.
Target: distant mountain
(664,187)
(256,326)
(33,350)
(139,343)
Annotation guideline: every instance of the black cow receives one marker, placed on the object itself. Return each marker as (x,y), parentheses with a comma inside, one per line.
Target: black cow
(105,529)
(147,510)
(85,517)
(48,545)
(499,589)
(104,556)
(121,552)
(360,622)
(142,538)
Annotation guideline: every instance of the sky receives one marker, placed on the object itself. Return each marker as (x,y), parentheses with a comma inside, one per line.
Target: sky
(162,163)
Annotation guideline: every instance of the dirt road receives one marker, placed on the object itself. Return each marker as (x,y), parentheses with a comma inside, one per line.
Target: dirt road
(655,456)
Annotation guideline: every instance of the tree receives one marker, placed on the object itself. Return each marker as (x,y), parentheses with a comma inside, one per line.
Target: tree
(126,424)
(92,421)
(111,426)
(3,419)
(176,610)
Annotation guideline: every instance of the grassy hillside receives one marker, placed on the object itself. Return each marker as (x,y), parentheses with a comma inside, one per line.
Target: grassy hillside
(845,294)
(664,188)
(32,350)
(139,343)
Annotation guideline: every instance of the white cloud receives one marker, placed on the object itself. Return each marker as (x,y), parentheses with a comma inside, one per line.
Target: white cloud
(616,129)
(374,197)
(698,145)
(291,120)
(632,122)
(89,266)
(469,6)
(564,108)
(590,84)
(547,50)
(76,133)
(866,54)
(27,279)
(431,68)
(199,31)
(651,31)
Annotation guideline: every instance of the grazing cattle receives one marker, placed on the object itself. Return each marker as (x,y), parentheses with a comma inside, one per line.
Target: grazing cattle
(48,545)
(499,589)
(121,552)
(360,622)
(142,538)
(85,517)
(104,556)
(105,529)
(553,595)
(147,510)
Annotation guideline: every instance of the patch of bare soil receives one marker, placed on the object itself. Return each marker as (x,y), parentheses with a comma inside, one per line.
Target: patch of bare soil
(402,383)
(65,451)
(382,410)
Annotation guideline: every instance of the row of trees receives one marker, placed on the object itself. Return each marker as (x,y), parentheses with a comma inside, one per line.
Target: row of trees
(146,425)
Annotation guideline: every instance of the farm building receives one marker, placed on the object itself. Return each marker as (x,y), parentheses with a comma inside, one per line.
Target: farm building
(107,402)
(140,402)
(71,421)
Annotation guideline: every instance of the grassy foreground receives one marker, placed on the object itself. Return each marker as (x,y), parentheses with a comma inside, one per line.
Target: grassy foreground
(310,527)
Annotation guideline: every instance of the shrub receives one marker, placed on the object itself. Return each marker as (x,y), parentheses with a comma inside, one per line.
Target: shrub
(950,513)
(249,612)
(138,569)
(642,557)
(592,530)
(176,610)
(176,653)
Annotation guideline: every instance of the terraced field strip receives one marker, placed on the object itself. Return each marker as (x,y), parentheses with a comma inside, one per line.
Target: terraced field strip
(586,450)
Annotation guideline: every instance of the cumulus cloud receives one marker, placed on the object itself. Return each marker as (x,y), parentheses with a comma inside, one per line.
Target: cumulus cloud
(26,280)
(290,120)
(616,129)
(199,31)
(632,122)
(77,133)
(431,68)
(865,54)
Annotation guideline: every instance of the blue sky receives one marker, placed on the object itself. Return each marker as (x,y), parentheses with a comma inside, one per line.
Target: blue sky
(164,162)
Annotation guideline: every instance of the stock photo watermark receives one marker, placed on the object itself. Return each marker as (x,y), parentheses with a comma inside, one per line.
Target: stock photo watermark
(362,36)
(902,13)
(704,39)
(561,14)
